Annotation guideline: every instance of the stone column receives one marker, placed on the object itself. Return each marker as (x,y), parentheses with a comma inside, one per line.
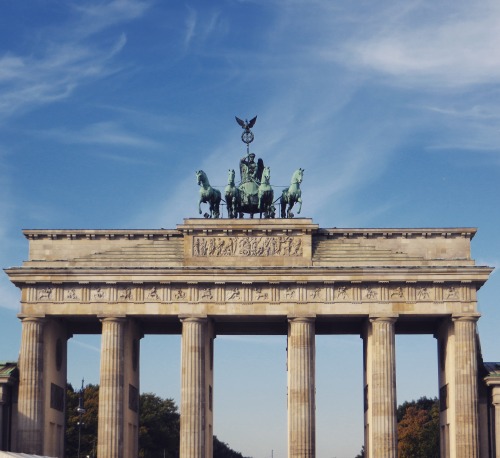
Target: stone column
(111,391)
(381,388)
(31,387)
(301,388)
(3,401)
(193,388)
(466,390)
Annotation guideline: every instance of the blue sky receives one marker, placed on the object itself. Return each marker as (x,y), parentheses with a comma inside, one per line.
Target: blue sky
(108,107)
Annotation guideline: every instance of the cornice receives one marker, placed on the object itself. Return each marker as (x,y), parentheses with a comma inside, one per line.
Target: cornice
(471,274)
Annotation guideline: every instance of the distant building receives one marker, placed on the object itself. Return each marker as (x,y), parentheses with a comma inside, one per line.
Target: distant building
(9,381)
(491,416)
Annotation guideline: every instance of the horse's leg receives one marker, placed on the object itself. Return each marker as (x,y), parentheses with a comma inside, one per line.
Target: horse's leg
(290,206)
(199,205)
(217,199)
(299,200)
(229,205)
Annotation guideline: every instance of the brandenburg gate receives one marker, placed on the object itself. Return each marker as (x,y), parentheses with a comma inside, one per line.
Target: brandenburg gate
(210,277)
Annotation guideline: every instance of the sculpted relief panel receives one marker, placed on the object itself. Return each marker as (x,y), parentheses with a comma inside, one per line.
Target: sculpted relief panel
(247,246)
(342,292)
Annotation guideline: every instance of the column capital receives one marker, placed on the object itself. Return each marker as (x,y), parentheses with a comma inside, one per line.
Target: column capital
(493,381)
(33,318)
(116,318)
(383,317)
(465,317)
(193,318)
(301,318)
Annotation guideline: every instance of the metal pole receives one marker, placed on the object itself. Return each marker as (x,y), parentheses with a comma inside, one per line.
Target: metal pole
(80,410)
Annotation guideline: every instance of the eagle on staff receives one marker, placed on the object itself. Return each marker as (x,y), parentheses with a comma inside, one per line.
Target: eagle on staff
(247,125)
(247,135)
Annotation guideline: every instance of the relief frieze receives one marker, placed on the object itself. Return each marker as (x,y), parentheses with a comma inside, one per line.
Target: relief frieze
(262,292)
(287,246)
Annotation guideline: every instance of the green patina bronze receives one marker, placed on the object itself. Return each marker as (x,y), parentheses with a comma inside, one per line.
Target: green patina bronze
(254,194)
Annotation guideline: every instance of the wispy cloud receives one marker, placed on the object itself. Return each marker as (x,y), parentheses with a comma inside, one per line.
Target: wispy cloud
(62,63)
(439,46)
(98,16)
(84,345)
(102,133)
(199,26)
(190,26)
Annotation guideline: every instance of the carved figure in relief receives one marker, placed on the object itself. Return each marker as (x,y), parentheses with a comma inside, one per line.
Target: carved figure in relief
(259,295)
(45,293)
(289,292)
(422,292)
(153,293)
(371,293)
(71,294)
(99,293)
(292,195)
(179,294)
(208,195)
(397,292)
(315,293)
(234,294)
(342,293)
(206,293)
(126,293)
(247,246)
(296,248)
(452,293)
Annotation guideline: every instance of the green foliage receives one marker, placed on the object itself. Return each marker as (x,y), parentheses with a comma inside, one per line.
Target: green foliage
(159,424)
(88,432)
(362,453)
(222,450)
(159,427)
(418,429)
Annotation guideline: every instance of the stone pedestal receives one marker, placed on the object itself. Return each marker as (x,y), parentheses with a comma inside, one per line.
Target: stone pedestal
(196,433)
(111,390)
(380,377)
(31,388)
(301,388)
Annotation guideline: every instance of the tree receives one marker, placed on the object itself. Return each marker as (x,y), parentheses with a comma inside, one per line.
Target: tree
(159,424)
(222,450)
(418,429)
(159,427)
(88,432)
(362,453)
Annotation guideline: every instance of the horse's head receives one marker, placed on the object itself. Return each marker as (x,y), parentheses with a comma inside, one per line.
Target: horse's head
(266,175)
(230,176)
(201,177)
(297,176)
